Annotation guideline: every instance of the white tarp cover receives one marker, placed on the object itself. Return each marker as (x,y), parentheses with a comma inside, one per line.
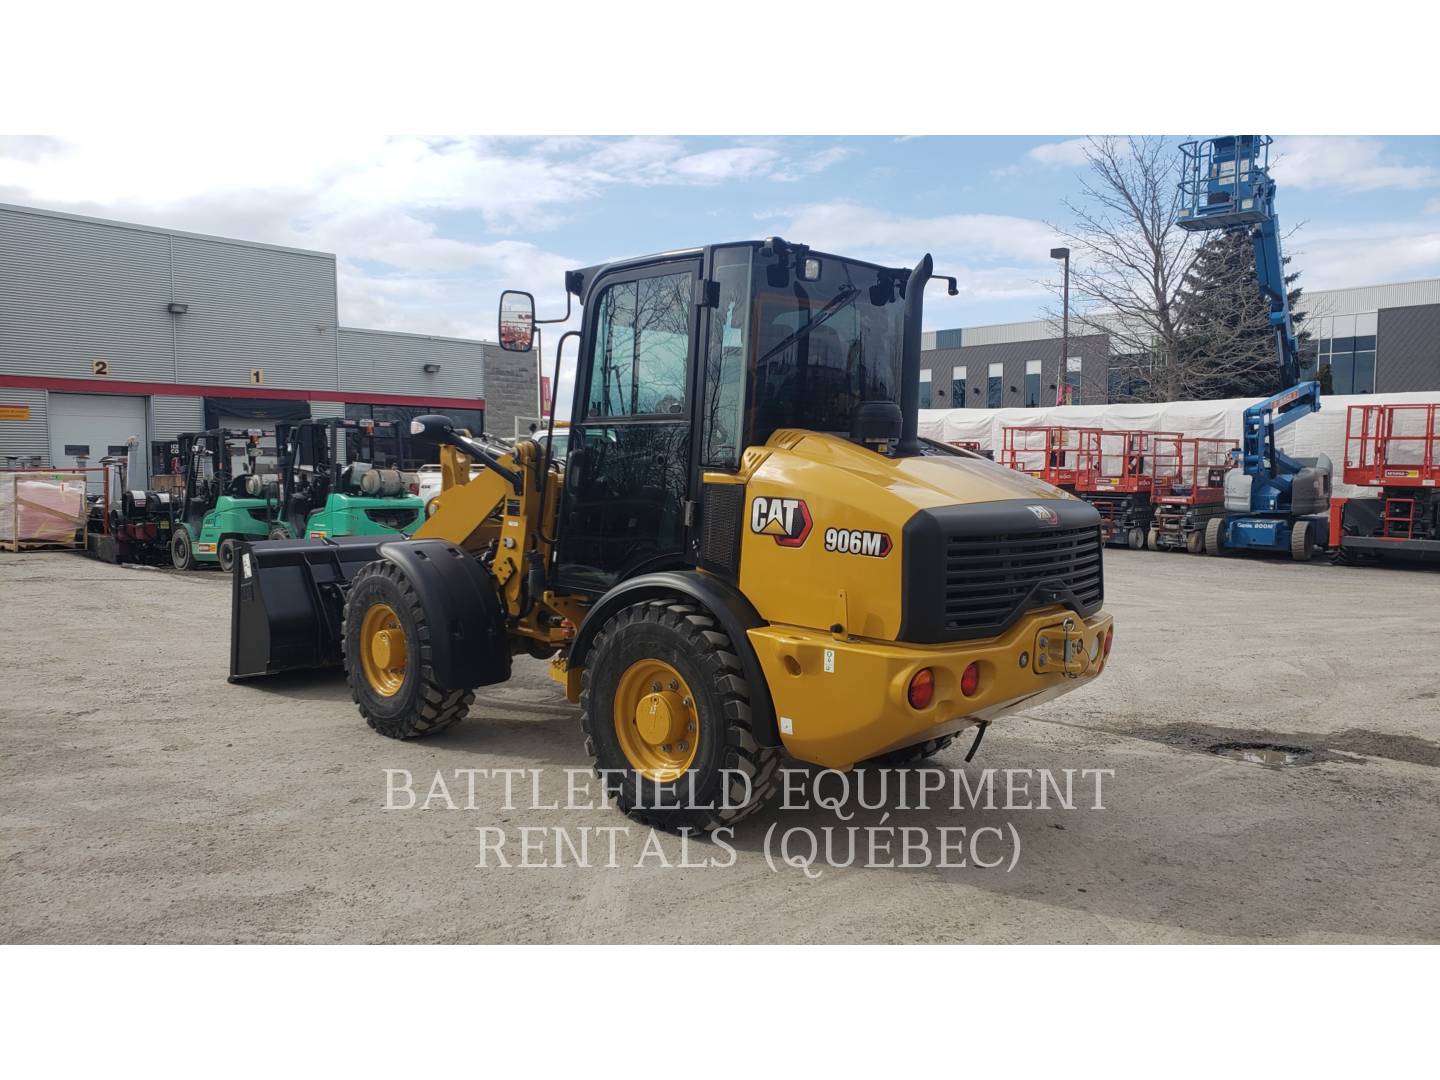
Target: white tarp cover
(1319,433)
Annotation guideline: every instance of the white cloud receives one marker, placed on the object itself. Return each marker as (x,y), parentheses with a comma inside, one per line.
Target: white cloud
(1347,256)
(1344,163)
(1069,153)
(375,201)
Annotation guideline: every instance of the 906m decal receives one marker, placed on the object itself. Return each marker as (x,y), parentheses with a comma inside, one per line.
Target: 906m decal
(858,542)
(787,520)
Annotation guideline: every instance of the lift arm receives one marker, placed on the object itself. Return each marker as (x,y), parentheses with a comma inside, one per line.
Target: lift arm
(1226,185)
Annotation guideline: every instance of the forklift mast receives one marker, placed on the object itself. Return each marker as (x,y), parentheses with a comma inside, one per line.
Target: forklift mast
(1225,184)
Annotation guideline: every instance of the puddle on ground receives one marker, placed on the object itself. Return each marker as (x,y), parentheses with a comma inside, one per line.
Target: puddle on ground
(1271,754)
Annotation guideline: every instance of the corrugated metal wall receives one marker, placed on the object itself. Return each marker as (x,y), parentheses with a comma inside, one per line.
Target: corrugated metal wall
(395,364)
(25,437)
(1407,346)
(75,291)
(171,416)
(254,307)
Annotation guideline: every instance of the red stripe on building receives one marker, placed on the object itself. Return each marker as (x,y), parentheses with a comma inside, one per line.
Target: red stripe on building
(148,389)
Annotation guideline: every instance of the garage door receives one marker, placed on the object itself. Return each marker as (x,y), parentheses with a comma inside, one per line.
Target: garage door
(96,426)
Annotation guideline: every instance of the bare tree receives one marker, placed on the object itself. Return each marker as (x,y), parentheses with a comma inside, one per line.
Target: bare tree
(1129,264)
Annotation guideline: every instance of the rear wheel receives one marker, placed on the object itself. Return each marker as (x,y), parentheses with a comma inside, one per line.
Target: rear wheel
(1214,536)
(1195,542)
(1152,540)
(182,551)
(227,554)
(387,657)
(665,707)
(1136,539)
(1302,541)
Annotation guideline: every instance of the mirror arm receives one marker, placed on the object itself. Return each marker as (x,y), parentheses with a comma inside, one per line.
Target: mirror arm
(550,430)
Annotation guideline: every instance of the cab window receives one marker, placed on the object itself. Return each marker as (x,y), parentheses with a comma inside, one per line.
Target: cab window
(642,344)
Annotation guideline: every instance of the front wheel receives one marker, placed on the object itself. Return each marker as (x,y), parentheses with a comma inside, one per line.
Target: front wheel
(665,708)
(1214,536)
(182,552)
(1302,541)
(1135,539)
(1195,542)
(387,657)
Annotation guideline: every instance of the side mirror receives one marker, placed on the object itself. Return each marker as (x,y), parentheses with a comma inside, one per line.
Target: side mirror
(431,428)
(517,321)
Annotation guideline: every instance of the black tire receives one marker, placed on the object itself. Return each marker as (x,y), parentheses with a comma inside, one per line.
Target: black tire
(182,551)
(1302,541)
(278,532)
(226,553)
(686,637)
(1214,543)
(909,755)
(1340,555)
(421,706)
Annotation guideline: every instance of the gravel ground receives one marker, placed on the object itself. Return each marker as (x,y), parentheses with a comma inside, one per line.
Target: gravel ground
(146,799)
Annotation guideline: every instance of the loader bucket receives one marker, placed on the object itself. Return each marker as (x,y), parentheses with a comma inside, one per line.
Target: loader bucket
(287,600)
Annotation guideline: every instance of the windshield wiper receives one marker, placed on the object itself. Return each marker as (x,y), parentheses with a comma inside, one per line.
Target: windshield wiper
(836,303)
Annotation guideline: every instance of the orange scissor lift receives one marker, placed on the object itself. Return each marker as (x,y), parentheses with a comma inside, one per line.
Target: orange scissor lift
(1053,454)
(1396,449)
(1118,476)
(1189,490)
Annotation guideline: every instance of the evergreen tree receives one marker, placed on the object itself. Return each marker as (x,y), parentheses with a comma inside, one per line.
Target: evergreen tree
(1225,328)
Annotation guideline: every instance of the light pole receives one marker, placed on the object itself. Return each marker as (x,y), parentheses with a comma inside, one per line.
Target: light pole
(1063,253)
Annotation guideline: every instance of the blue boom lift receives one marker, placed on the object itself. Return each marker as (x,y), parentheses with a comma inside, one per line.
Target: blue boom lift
(1272,500)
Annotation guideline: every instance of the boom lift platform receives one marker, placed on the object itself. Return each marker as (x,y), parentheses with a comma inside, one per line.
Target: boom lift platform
(746,548)
(1273,502)
(1190,491)
(1056,455)
(1395,449)
(1117,476)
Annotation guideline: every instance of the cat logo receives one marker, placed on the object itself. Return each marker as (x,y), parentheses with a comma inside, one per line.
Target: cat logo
(1044,515)
(787,520)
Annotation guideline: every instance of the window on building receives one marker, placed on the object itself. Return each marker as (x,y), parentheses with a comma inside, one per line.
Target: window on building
(994,385)
(1341,353)
(1032,383)
(1071,391)
(925,389)
(957,386)
(947,339)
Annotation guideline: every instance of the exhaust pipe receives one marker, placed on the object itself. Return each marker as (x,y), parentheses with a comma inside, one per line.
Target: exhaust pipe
(909,444)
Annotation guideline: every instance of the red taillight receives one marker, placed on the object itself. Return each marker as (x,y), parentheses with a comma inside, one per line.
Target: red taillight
(922,689)
(970,681)
(1109,637)
(414,489)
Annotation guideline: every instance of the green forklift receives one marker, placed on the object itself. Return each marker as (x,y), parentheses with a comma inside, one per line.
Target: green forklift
(342,478)
(220,505)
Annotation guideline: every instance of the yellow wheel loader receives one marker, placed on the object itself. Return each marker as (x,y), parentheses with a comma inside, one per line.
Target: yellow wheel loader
(745,550)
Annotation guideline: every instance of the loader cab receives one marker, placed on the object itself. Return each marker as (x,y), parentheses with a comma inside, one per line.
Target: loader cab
(686,359)
(341,477)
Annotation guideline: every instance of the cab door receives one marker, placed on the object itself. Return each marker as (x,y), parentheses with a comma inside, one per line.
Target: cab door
(627,475)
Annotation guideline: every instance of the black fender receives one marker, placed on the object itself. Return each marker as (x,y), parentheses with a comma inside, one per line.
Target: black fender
(727,604)
(468,643)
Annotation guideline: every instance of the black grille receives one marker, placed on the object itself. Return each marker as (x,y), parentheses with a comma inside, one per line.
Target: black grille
(721,508)
(970,571)
(989,580)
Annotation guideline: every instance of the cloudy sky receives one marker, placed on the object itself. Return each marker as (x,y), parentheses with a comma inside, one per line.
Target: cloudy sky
(429,230)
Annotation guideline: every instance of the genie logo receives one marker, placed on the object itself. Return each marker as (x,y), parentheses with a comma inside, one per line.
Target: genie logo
(787,520)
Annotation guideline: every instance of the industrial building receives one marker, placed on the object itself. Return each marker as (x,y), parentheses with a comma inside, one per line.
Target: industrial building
(110,330)
(1378,339)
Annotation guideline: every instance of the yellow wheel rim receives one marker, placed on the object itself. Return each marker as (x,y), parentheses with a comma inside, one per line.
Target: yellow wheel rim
(656,720)
(382,649)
